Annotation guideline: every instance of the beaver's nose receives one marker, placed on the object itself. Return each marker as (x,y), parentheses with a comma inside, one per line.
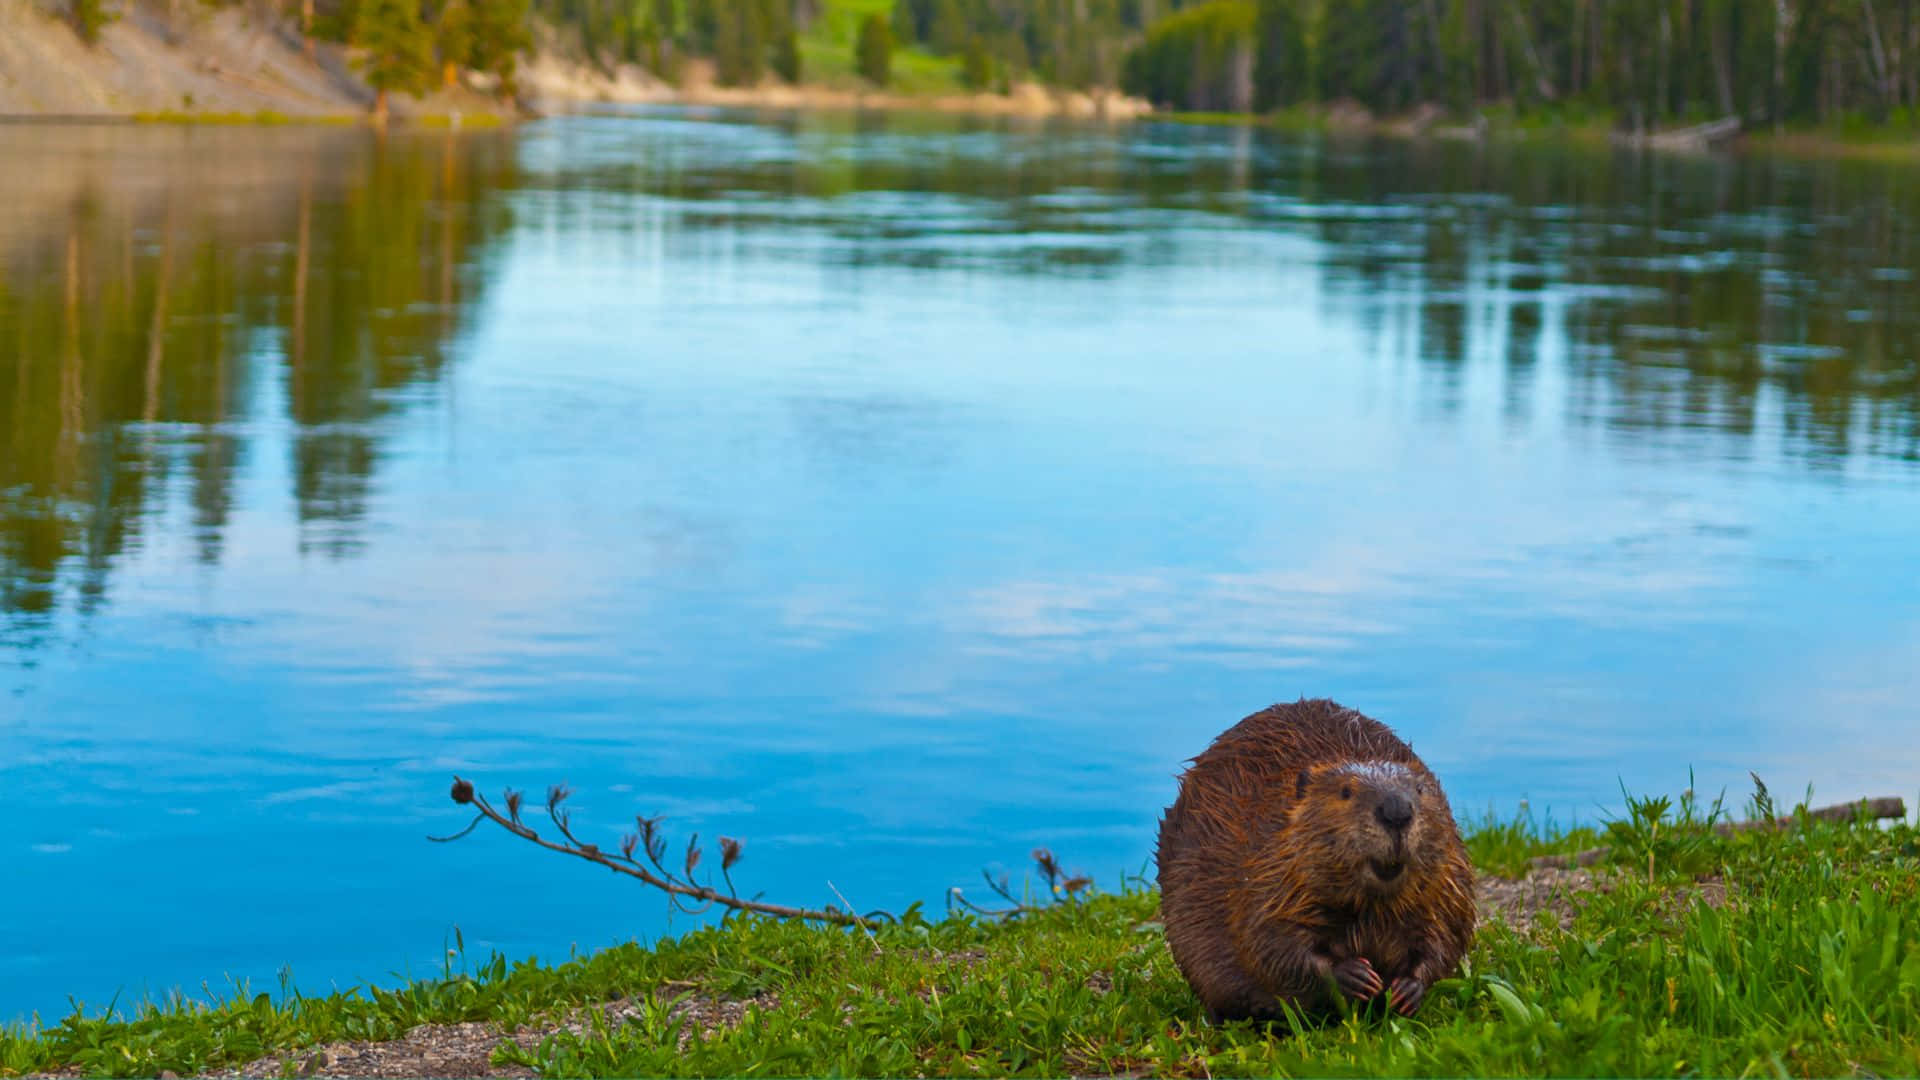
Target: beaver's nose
(1395,811)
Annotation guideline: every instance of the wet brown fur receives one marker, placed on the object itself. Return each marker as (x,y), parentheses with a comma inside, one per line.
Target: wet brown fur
(1265,862)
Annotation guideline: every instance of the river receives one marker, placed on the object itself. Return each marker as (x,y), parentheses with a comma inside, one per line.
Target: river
(897,494)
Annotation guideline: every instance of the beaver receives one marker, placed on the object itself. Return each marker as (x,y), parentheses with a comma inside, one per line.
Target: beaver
(1311,855)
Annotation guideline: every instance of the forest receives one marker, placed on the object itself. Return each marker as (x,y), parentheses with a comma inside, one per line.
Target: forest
(1643,62)
(1638,64)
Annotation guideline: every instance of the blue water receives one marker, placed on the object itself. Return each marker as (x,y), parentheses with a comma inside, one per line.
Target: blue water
(898,495)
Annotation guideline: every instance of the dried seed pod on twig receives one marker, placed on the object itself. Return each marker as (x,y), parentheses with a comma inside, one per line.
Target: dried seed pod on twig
(690,895)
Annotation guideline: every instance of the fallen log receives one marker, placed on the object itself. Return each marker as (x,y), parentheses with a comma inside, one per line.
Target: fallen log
(1698,136)
(1890,807)
(1706,134)
(1878,809)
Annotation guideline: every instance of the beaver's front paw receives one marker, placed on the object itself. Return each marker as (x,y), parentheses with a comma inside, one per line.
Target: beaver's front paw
(1406,994)
(1357,979)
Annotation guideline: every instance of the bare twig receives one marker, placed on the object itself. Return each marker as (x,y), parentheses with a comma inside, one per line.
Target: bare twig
(958,898)
(1058,880)
(849,903)
(641,854)
(622,862)
(1001,888)
(1060,886)
(471,825)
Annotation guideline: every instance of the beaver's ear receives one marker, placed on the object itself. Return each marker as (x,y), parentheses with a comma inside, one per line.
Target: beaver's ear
(1300,786)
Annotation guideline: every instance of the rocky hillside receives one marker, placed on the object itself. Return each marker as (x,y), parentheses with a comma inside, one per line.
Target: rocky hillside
(230,60)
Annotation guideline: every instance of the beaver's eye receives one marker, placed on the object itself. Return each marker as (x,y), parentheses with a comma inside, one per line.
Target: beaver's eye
(1346,793)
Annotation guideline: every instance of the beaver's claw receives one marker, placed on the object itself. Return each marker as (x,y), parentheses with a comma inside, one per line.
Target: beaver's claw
(1405,995)
(1357,979)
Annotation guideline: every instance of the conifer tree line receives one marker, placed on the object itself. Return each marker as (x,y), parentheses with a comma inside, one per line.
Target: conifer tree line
(747,40)
(1079,43)
(1644,62)
(411,46)
(1648,62)
(1073,43)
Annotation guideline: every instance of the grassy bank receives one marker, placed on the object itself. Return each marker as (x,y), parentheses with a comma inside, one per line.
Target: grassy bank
(1896,139)
(827,54)
(270,118)
(1793,952)
(1500,122)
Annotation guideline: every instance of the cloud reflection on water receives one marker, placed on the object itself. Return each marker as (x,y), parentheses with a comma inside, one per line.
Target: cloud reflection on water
(898,495)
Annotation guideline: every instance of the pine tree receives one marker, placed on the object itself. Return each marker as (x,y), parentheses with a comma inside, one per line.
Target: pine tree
(874,54)
(89,18)
(1012,58)
(734,62)
(786,56)
(500,35)
(949,32)
(906,24)
(344,22)
(976,66)
(1280,68)
(455,32)
(703,24)
(399,51)
(1201,58)
(754,39)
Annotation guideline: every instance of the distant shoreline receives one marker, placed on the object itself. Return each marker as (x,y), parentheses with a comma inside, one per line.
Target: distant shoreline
(1034,103)
(557,84)
(225,69)
(1030,100)
(1888,144)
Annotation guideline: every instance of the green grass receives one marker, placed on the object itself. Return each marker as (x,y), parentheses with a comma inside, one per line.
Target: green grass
(1569,118)
(1218,119)
(827,51)
(1889,143)
(1503,846)
(1502,120)
(1811,967)
(1293,119)
(440,121)
(263,118)
(1896,138)
(270,118)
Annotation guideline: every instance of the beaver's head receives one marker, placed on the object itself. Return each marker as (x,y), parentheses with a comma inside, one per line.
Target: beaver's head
(1369,825)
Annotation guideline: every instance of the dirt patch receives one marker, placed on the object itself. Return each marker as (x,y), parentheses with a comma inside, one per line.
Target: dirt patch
(431,1050)
(466,1050)
(965,958)
(1517,901)
(1561,892)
